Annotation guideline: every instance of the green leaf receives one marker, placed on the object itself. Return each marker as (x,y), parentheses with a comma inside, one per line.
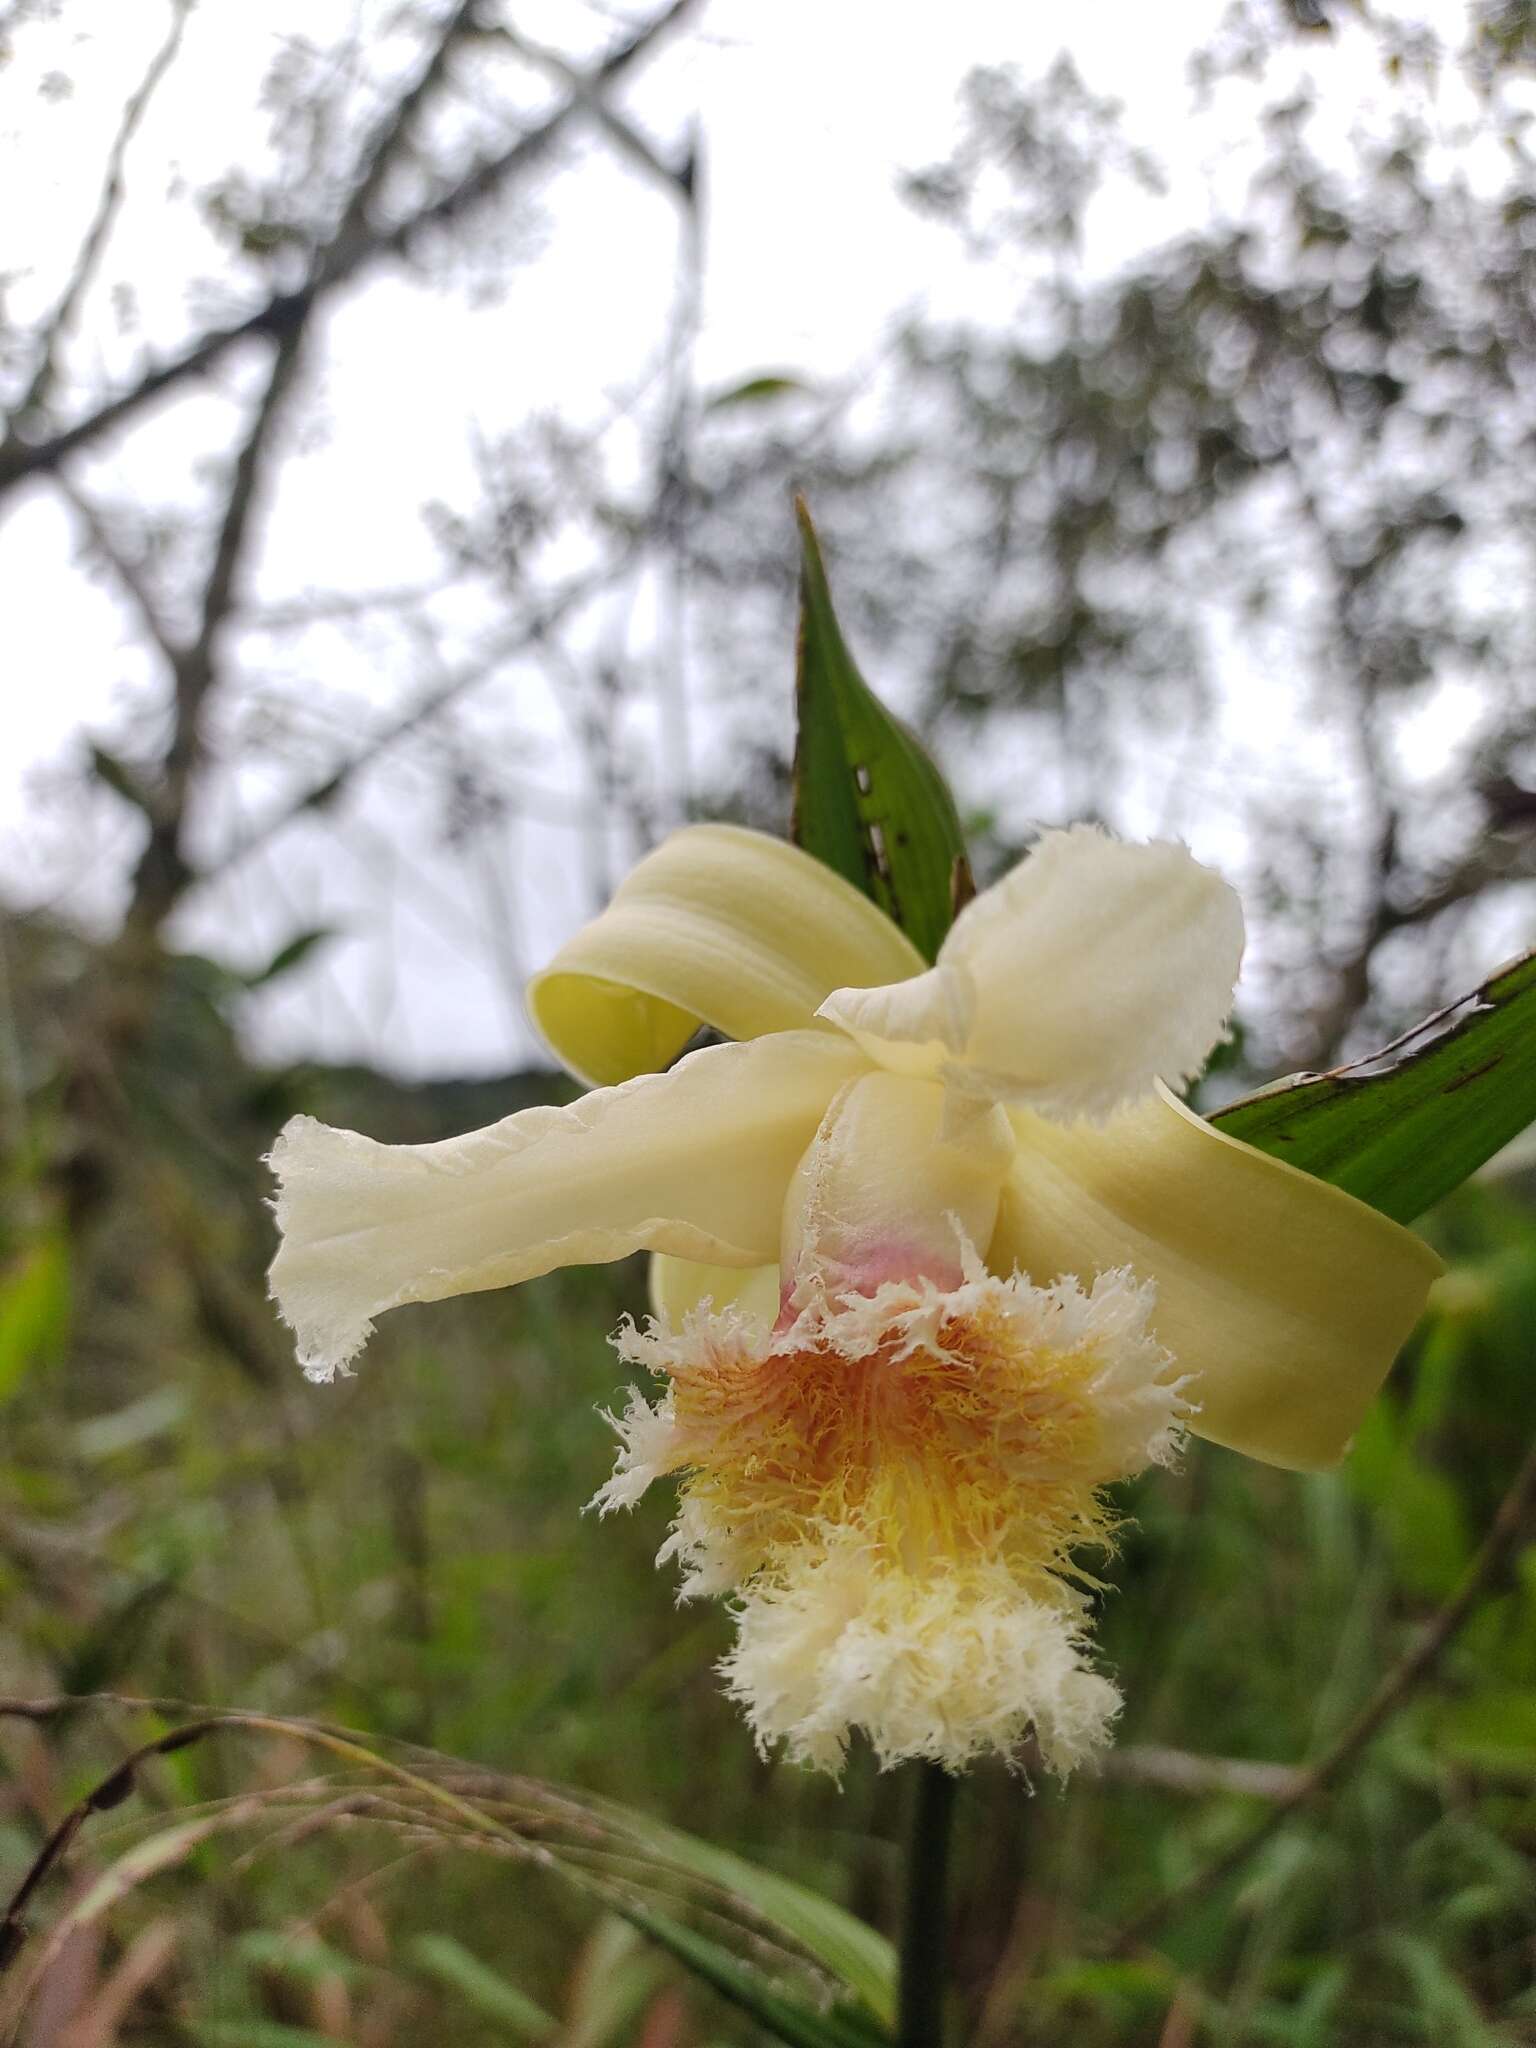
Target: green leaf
(450,1963)
(260,2034)
(755,391)
(34,1311)
(1403,1128)
(869,801)
(853,1952)
(1492,1730)
(786,2018)
(297,950)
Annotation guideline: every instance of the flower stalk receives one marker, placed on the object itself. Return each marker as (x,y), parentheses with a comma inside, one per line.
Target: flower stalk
(925,1910)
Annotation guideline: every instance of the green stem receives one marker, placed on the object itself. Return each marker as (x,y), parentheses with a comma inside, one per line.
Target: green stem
(925,1913)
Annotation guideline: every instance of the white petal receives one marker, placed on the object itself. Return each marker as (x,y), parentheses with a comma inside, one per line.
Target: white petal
(694,1161)
(1092,970)
(1284,1300)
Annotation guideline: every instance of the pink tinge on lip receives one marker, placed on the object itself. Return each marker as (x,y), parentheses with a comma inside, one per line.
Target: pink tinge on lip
(868,1271)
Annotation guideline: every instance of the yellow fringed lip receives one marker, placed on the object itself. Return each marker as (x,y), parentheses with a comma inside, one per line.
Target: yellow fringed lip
(895,1486)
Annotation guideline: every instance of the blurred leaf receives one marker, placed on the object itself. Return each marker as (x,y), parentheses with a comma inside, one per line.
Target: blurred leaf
(140,1422)
(448,1961)
(755,391)
(1494,1729)
(617,1973)
(289,956)
(102,1654)
(301,1954)
(121,780)
(1403,1128)
(869,802)
(855,1953)
(750,1991)
(34,1311)
(1453,2018)
(259,2034)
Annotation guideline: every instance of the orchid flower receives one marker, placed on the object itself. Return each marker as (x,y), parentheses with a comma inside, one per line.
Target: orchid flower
(937,1257)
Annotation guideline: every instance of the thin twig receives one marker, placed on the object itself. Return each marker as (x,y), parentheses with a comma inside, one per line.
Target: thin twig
(108,204)
(126,571)
(163,870)
(1395,1689)
(628,139)
(349,242)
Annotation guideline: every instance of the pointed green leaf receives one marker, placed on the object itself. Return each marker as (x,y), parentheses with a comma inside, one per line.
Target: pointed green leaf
(869,801)
(1403,1128)
(756,391)
(288,956)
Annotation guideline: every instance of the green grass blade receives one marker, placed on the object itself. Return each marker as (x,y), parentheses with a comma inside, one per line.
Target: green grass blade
(851,1951)
(788,2019)
(869,802)
(1403,1128)
(485,1990)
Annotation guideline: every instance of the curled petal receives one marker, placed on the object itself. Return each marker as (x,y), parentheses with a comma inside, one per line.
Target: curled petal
(719,926)
(1284,1300)
(694,1161)
(1092,970)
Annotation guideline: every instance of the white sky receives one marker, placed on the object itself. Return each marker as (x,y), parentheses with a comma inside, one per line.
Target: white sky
(808,112)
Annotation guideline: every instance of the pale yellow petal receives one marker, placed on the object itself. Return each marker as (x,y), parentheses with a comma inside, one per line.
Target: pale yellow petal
(893,1189)
(720,926)
(1286,1300)
(679,1286)
(1093,969)
(694,1161)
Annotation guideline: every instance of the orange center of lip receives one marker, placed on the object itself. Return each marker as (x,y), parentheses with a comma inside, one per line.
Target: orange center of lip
(942,1434)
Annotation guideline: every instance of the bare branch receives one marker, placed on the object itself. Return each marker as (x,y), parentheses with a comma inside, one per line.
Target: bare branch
(353,229)
(624,134)
(1182,1770)
(21,460)
(163,871)
(1509,1525)
(40,388)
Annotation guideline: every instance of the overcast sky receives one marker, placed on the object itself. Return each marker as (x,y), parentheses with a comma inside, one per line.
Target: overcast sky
(808,113)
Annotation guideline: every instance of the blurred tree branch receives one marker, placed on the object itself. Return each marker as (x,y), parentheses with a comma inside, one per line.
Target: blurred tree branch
(40,386)
(359,241)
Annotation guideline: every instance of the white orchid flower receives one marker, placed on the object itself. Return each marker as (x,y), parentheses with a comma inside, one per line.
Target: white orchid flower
(938,1256)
